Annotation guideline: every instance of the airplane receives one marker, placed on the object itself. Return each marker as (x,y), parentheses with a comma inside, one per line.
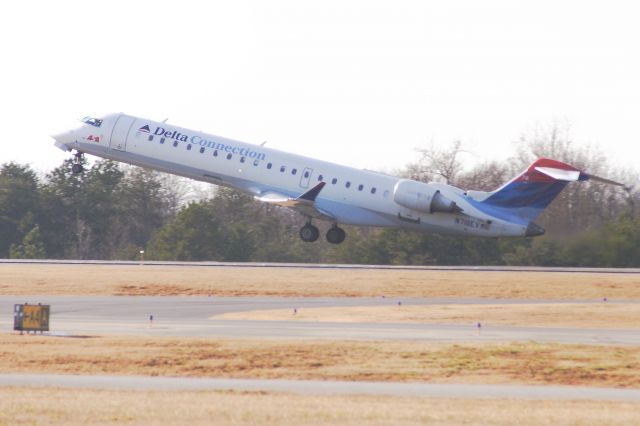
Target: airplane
(323,190)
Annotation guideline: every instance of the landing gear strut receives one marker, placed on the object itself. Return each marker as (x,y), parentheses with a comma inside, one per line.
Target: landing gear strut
(77,165)
(309,233)
(336,235)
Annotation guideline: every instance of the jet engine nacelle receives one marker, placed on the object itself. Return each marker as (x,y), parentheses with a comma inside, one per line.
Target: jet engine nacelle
(422,197)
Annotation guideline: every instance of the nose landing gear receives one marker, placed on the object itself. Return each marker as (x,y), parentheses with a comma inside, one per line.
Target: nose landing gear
(77,167)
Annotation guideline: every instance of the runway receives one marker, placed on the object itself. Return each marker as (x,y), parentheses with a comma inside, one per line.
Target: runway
(190,317)
(316,387)
(327,266)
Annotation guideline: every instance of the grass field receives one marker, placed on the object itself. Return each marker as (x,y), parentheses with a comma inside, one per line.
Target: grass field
(408,361)
(25,279)
(102,407)
(600,315)
(523,363)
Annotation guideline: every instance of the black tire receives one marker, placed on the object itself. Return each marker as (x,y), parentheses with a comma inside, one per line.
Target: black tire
(309,233)
(336,235)
(77,168)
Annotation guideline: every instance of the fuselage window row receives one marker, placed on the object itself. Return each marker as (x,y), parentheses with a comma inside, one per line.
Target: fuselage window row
(256,163)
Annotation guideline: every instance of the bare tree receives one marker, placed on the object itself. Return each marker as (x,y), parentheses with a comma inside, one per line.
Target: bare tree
(442,165)
(485,177)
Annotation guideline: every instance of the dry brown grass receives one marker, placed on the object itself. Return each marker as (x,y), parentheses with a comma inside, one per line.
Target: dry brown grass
(325,360)
(102,407)
(25,279)
(603,315)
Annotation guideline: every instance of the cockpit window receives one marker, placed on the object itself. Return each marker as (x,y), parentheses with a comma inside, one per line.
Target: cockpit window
(93,121)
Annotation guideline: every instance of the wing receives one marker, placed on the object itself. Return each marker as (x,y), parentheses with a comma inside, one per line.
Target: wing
(305,203)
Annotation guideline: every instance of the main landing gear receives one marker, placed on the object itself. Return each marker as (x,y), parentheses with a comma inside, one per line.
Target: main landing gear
(77,167)
(336,235)
(310,233)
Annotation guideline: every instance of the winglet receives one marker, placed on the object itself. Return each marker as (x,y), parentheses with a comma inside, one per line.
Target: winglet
(312,194)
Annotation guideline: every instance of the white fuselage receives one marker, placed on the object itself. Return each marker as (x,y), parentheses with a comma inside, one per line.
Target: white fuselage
(350,196)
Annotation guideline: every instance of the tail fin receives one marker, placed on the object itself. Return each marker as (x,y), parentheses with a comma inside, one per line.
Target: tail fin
(531,192)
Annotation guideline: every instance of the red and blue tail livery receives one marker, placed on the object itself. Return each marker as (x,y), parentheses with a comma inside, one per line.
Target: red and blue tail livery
(531,192)
(322,190)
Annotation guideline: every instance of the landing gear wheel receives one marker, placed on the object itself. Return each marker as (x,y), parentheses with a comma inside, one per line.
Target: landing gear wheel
(336,235)
(77,163)
(309,233)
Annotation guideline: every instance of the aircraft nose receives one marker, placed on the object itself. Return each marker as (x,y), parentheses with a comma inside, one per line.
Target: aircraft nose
(63,139)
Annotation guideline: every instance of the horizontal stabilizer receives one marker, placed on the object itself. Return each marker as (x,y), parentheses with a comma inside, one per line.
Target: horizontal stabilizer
(603,180)
(560,174)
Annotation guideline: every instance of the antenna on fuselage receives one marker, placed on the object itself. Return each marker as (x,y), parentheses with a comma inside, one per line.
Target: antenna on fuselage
(165,120)
(263,143)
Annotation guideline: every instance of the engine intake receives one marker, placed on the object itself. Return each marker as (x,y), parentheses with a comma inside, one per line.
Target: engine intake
(422,197)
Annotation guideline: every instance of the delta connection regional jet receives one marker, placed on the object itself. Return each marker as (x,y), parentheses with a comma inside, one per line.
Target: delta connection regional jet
(322,190)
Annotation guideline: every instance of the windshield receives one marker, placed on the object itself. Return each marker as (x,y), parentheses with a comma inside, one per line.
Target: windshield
(93,121)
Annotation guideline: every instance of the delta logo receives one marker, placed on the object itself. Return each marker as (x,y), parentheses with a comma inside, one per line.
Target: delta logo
(159,131)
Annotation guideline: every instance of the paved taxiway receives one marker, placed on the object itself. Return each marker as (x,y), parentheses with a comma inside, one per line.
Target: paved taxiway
(322,387)
(191,317)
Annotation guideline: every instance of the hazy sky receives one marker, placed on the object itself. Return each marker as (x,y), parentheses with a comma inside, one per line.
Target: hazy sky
(361,83)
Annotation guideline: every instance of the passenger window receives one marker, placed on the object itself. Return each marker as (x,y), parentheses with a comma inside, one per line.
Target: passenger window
(294,171)
(151,137)
(161,139)
(269,165)
(320,178)
(175,143)
(242,159)
(386,194)
(360,187)
(229,155)
(215,152)
(282,169)
(306,174)
(256,162)
(348,184)
(202,150)
(334,181)
(373,190)
(189,147)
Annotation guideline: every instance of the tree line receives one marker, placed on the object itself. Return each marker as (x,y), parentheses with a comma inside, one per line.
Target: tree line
(114,211)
